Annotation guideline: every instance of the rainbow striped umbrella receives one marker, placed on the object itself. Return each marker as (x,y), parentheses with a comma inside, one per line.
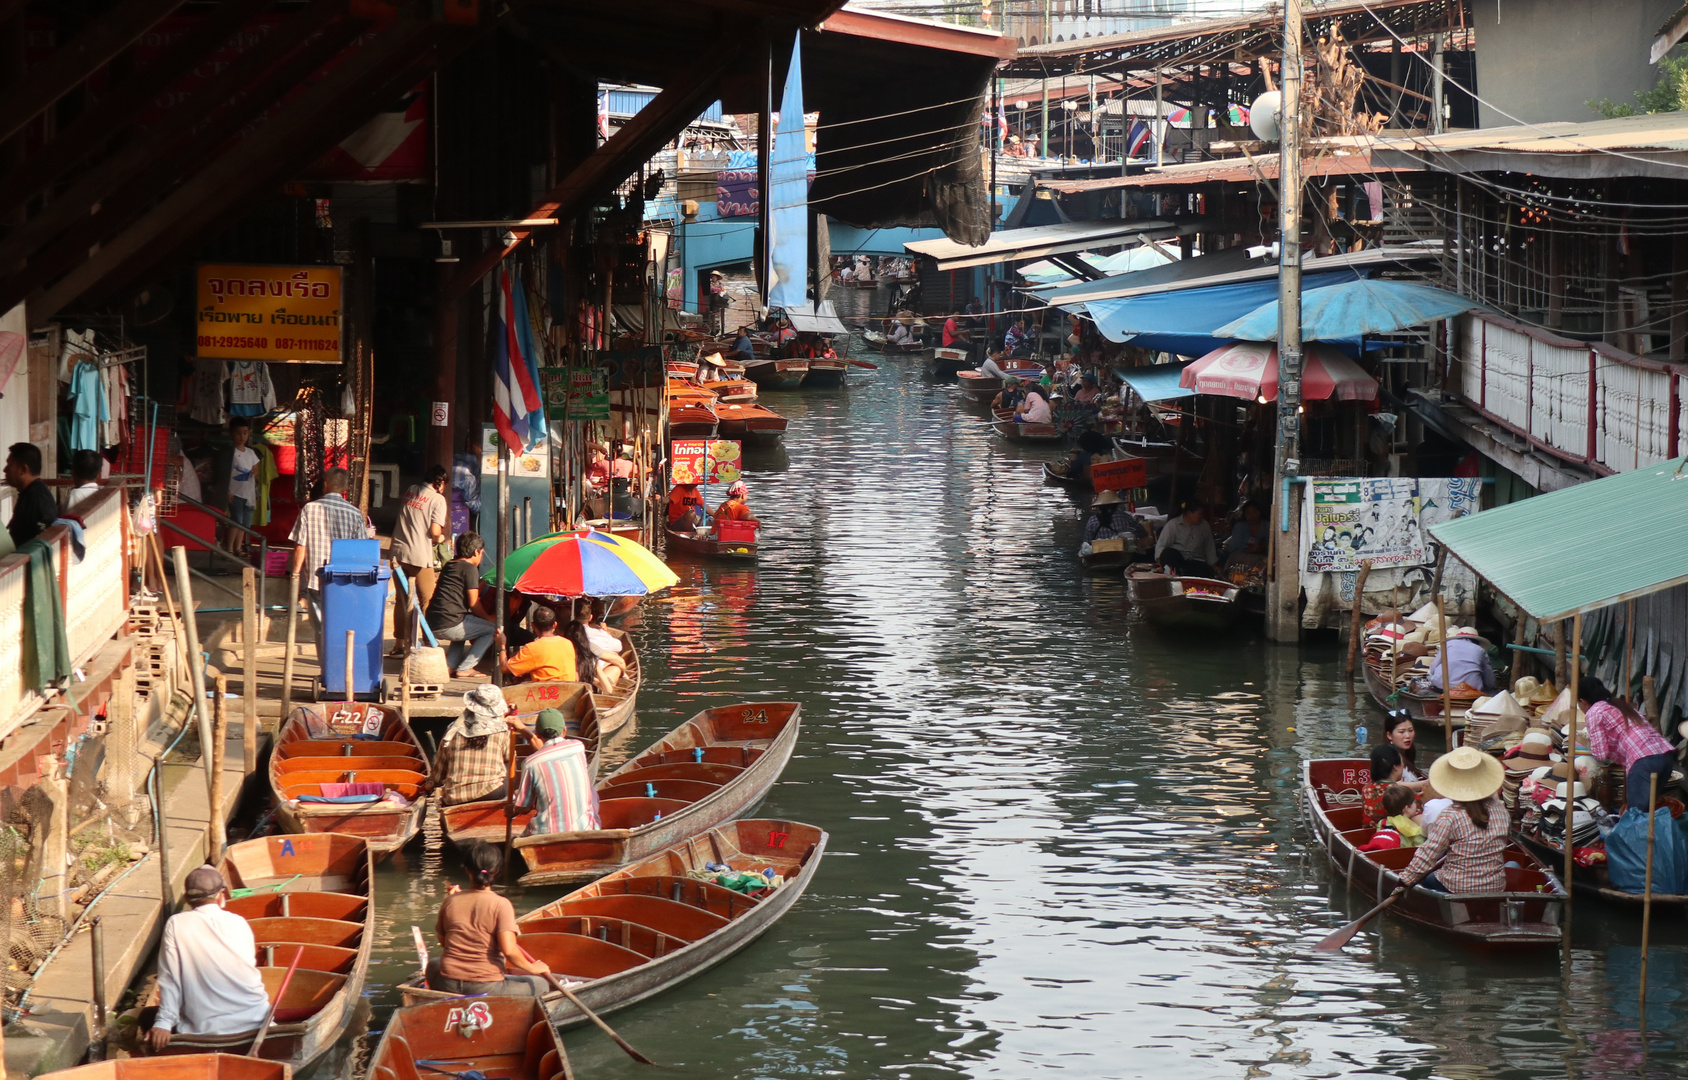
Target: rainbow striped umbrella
(583,563)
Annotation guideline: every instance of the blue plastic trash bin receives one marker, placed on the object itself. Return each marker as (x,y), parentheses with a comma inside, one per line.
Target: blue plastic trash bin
(354,597)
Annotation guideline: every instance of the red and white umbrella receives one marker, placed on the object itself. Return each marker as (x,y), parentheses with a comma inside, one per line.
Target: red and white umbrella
(1249,370)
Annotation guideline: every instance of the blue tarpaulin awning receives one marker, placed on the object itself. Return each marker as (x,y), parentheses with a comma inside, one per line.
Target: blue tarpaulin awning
(1186,320)
(1157,382)
(1354,309)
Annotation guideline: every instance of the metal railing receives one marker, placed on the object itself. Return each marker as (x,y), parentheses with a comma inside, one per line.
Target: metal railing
(212,546)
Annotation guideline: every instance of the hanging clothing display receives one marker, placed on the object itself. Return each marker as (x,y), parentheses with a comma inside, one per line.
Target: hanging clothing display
(87,407)
(307,442)
(250,391)
(262,475)
(205,396)
(115,430)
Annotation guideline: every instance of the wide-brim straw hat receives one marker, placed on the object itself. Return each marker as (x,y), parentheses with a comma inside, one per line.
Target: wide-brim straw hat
(1526,686)
(1467,775)
(1106,498)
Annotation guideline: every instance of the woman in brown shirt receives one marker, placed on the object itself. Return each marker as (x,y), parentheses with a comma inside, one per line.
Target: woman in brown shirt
(477,933)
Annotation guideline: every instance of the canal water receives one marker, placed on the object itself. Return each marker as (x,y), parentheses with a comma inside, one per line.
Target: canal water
(1059,841)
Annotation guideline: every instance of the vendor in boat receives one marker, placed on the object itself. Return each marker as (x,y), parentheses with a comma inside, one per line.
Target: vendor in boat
(208,977)
(547,658)
(685,508)
(1017,341)
(736,507)
(1034,409)
(473,761)
(784,335)
(1111,518)
(743,350)
(1468,839)
(1248,535)
(478,934)
(557,780)
(1623,737)
(1089,391)
(1467,659)
(902,330)
(1013,392)
(956,333)
(1186,544)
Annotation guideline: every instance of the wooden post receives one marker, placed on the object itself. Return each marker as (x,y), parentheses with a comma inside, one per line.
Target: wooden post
(1284,590)
(1436,577)
(196,667)
(1647,896)
(292,643)
(249,674)
(1518,638)
(351,664)
(1356,615)
(1447,683)
(1571,756)
(214,755)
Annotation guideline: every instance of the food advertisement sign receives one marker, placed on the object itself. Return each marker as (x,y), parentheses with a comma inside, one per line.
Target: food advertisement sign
(529,464)
(705,461)
(279,314)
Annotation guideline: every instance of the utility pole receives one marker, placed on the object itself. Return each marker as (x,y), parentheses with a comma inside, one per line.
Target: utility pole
(1283,615)
(1043,150)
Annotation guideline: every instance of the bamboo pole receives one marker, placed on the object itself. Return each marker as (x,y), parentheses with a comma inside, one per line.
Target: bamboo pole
(249,674)
(1447,683)
(196,667)
(1570,756)
(214,755)
(1647,896)
(292,645)
(1356,615)
(351,664)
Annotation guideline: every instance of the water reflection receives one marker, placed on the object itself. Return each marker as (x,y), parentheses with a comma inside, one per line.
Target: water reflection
(1059,840)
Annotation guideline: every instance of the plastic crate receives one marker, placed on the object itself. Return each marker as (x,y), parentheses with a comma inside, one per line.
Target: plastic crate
(737,532)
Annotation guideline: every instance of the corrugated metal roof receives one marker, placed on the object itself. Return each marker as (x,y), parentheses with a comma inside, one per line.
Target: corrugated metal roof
(1042,240)
(1228,267)
(1583,548)
(1651,144)
(1228,171)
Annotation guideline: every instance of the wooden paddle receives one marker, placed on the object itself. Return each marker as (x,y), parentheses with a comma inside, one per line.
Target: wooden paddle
(276,1004)
(1336,941)
(860,363)
(557,984)
(510,809)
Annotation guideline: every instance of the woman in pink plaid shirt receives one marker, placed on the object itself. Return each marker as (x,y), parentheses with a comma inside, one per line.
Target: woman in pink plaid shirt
(1617,734)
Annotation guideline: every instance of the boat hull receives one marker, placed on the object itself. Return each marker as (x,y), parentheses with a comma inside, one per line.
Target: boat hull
(328,744)
(1422,709)
(947,363)
(778,374)
(1518,918)
(1182,609)
(1585,880)
(509,1037)
(825,374)
(707,547)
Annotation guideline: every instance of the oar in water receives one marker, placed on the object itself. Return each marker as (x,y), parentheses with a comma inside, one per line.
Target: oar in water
(557,984)
(276,1004)
(1336,941)
(861,363)
(236,894)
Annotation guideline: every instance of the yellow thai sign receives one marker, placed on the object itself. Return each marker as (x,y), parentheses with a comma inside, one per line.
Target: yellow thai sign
(282,314)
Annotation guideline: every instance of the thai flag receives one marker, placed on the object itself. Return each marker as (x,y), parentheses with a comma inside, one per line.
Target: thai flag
(1001,121)
(1141,133)
(604,115)
(517,409)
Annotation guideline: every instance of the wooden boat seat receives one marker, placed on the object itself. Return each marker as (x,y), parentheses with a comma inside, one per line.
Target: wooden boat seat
(289,766)
(747,723)
(581,957)
(670,917)
(717,899)
(317,957)
(400,1061)
(404,781)
(1344,818)
(270,905)
(684,791)
(624,932)
(740,754)
(705,771)
(482,815)
(628,813)
(343,748)
(306,931)
(306,994)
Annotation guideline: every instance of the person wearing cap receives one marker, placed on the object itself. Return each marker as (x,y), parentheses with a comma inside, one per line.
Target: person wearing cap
(557,780)
(783,333)
(208,978)
(735,508)
(474,757)
(1468,839)
(1625,739)
(901,330)
(478,935)
(1185,545)
(1013,392)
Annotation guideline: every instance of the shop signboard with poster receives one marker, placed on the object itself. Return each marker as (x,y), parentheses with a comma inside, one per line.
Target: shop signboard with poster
(1121,475)
(277,314)
(705,461)
(530,487)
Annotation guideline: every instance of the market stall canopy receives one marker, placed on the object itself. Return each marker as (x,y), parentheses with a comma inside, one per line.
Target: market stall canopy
(1157,382)
(1249,370)
(1523,548)
(1355,309)
(1230,266)
(813,319)
(1129,261)
(1041,241)
(1186,320)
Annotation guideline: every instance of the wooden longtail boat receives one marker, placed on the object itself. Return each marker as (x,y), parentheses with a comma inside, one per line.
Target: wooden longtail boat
(691,420)
(310,891)
(650,927)
(180,1067)
(984,388)
(1526,914)
(1109,556)
(947,363)
(1005,426)
(825,373)
(773,374)
(614,710)
(506,1037)
(755,424)
(1421,708)
(877,339)
(1592,881)
(736,391)
(707,545)
(484,819)
(324,747)
(711,769)
(1184,603)
(1054,475)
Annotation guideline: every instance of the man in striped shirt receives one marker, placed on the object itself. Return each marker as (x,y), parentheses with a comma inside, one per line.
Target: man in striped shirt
(557,780)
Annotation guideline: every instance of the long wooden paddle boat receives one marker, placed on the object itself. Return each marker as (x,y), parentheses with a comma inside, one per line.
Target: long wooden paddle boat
(1184,603)
(711,769)
(983,388)
(825,373)
(944,363)
(709,545)
(349,767)
(1005,426)
(506,1037)
(1526,914)
(1055,474)
(775,374)
(309,892)
(1593,881)
(180,1067)
(652,926)
(1420,707)
(484,819)
(754,424)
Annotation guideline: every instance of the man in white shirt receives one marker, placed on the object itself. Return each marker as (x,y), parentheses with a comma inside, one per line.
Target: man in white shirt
(1185,545)
(424,522)
(208,978)
(85,474)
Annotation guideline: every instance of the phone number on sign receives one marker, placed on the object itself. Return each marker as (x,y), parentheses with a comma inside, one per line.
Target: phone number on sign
(218,341)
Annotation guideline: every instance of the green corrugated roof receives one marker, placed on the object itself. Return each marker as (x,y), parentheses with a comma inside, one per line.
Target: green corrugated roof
(1582,548)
